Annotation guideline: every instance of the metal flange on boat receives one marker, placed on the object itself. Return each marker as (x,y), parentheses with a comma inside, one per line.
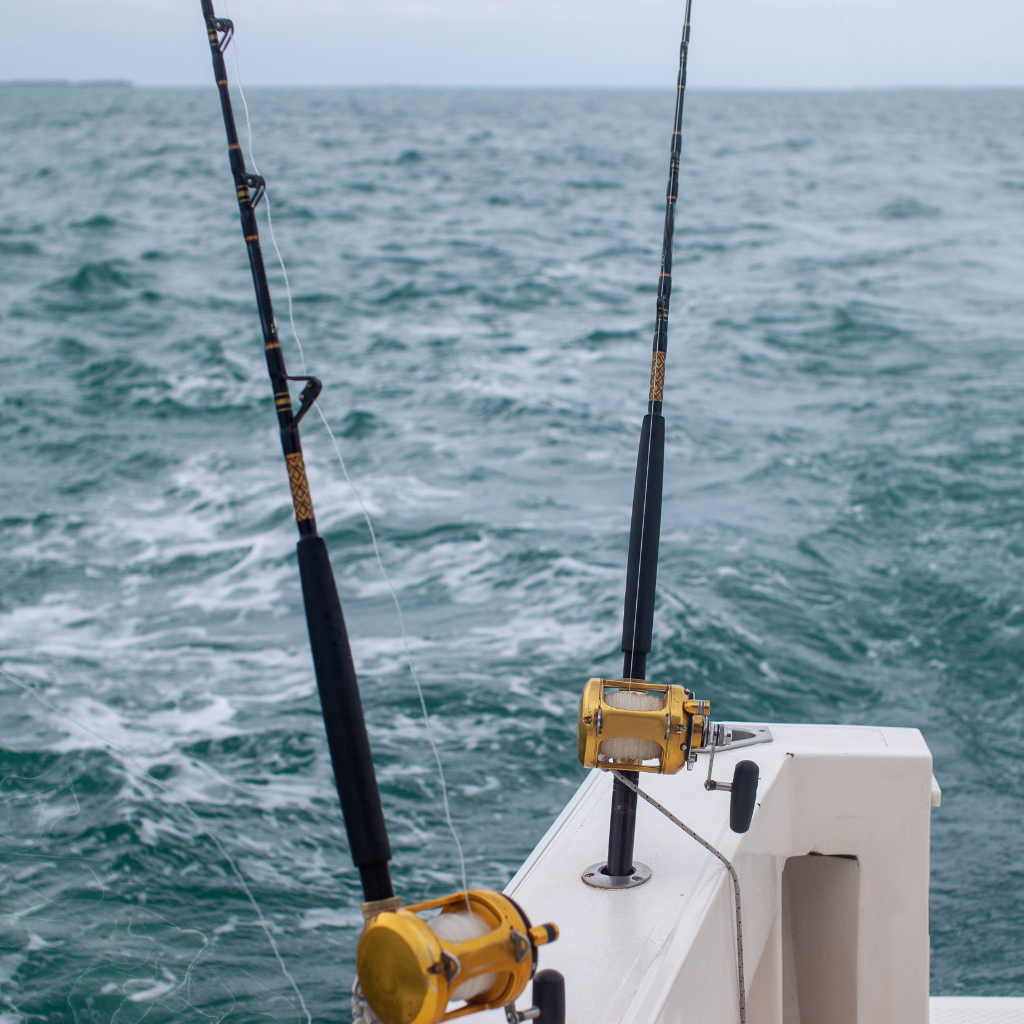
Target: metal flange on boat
(480,949)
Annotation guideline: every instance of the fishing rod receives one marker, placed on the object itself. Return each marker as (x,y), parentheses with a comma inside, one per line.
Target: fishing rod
(481,948)
(336,680)
(626,724)
(645,522)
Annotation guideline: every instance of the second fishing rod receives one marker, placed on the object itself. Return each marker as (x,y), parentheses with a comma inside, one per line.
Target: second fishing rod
(336,680)
(481,948)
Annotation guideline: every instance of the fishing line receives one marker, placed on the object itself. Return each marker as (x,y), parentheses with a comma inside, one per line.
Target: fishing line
(365,512)
(145,777)
(853,42)
(266,197)
(408,655)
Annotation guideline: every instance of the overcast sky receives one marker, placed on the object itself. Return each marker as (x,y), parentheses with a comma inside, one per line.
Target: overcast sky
(735,43)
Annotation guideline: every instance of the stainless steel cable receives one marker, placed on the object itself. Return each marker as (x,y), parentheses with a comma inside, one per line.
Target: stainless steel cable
(732,874)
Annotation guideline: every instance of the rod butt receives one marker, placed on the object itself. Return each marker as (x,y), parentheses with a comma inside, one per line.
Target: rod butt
(343,720)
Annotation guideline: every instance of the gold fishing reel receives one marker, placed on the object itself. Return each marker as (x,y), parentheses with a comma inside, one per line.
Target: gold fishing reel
(410,967)
(628,724)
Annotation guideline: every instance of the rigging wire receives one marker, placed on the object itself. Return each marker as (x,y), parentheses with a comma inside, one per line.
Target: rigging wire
(732,874)
(365,512)
(144,776)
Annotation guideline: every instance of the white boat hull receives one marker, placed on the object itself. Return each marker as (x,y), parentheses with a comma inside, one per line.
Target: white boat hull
(834,875)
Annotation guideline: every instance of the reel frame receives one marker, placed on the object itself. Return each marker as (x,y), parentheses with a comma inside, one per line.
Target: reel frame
(679,727)
(408,973)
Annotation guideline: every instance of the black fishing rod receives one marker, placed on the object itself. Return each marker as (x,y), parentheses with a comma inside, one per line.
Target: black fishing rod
(328,638)
(645,524)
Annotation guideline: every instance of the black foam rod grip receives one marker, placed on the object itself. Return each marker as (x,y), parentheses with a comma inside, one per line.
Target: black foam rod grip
(743,796)
(549,997)
(343,718)
(644,534)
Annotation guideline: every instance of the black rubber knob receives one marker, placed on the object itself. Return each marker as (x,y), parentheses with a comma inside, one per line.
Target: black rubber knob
(744,796)
(549,997)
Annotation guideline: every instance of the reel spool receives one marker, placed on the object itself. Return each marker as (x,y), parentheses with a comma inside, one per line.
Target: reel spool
(410,967)
(624,723)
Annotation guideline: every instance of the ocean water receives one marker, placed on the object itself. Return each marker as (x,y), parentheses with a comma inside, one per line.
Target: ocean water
(474,277)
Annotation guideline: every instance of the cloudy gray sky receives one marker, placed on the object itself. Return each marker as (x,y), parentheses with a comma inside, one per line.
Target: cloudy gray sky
(736,43)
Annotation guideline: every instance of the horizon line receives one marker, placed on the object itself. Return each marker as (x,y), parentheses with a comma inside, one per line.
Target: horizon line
(128,84)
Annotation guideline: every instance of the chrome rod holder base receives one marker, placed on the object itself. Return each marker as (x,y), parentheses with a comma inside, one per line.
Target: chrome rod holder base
(595,876)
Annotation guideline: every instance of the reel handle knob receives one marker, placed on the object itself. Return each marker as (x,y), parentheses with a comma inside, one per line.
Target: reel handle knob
(549,997)
(542,934)
(743,795)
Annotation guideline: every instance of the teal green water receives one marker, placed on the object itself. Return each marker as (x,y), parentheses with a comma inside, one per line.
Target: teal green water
(474,280)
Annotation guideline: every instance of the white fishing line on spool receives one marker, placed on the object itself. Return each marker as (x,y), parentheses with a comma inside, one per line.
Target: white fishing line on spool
(358,497)
(461,927)
(628,747)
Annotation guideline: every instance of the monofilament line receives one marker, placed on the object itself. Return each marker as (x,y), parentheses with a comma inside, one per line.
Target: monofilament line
(145,777)
(853,43)
(408,655)
(266,199)
(362,506)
